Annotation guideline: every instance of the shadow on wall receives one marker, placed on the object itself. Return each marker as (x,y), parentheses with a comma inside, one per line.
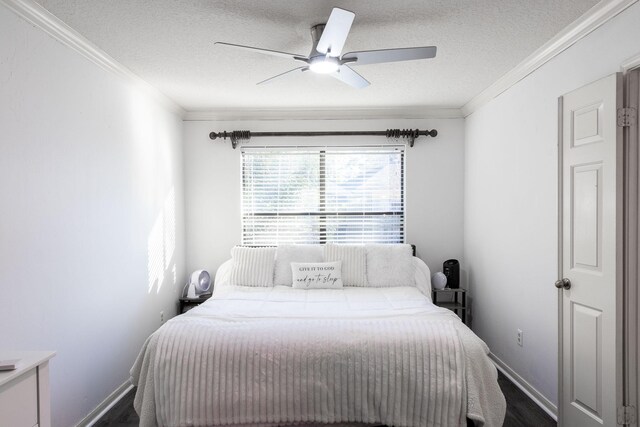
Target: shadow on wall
(162,244)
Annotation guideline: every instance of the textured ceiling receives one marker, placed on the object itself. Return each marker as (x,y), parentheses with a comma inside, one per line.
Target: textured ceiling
(169,43)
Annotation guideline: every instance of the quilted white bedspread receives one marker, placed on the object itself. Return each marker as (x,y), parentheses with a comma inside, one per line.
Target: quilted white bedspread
(283,356)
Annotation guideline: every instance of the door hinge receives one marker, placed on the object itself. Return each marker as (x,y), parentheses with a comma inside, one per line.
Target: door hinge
(626,415)
(626,116)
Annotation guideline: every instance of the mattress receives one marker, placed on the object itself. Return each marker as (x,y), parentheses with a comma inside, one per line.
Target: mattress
(287,302)
(283,356)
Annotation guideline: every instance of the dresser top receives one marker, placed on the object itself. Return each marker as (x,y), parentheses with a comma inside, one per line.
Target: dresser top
(28,360)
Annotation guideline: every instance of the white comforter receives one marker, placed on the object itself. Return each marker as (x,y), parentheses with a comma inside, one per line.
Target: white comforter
(283,356)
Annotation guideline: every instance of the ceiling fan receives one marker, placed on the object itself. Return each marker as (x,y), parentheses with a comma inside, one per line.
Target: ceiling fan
(328,41)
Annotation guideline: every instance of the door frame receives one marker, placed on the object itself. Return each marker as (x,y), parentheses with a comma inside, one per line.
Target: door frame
(631,294)
(560,272)
(623,258)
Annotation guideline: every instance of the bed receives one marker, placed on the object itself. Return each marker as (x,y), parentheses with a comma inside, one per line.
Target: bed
(279,356)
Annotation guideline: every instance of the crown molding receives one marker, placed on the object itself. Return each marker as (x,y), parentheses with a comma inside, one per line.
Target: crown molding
(601,13)
(631,63)
(323,114)
(40,17)
(598,15)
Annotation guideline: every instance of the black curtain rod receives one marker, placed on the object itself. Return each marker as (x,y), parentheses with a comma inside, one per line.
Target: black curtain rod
(238,136)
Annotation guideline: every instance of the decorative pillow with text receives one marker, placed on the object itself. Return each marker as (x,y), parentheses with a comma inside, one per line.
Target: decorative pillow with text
(286,254)
(317,275)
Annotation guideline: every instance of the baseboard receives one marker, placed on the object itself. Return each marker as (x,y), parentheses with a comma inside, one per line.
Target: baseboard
(106,404)
(545,404)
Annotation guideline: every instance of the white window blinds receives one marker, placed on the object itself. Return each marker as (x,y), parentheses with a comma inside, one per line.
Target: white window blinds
(318,195)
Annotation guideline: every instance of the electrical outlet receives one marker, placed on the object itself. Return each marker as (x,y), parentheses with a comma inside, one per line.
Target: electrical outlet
(162,317)
(520,337)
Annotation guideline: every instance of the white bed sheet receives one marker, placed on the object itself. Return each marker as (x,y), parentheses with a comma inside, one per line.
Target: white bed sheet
(287,302)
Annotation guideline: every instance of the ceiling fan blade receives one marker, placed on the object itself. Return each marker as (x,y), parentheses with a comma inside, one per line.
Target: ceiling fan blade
(335,32)
(349,76)
(270,79)
(390,55)
(266,51)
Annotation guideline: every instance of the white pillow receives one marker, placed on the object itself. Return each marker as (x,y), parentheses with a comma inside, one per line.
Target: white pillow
(422,277)
(252,266)
(354,258)
(223,276)
(317,275)
(390,265)
(286,254)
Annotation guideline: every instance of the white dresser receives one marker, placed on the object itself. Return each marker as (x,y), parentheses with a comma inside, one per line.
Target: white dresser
(24,392)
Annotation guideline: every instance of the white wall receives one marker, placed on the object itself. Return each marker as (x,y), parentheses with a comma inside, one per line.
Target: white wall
(510,219)
(434,172)
(91,223)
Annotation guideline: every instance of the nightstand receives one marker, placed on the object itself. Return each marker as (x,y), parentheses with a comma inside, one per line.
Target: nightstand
(454,299)
(187,304)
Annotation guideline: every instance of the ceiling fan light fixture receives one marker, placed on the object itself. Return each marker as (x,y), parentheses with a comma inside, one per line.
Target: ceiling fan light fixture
(326,53)
(324,65)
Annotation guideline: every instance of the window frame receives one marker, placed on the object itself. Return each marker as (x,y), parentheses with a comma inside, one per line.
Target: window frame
(322,213)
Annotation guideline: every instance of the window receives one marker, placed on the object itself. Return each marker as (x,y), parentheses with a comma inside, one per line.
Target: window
(319,195)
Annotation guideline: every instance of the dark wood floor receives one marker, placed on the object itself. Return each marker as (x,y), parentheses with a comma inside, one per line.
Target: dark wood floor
(521,411)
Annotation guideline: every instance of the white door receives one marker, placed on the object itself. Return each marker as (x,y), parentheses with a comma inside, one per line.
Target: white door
(591,240)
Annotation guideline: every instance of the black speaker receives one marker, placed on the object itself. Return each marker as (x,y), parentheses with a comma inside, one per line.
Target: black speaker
(451,269)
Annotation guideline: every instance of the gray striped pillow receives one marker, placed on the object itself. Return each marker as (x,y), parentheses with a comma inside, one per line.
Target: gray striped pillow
(354,262)
(252,266)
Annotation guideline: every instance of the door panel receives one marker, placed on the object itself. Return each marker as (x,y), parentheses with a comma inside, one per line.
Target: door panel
(586,215)
(590,259)
(587,359)
(587,125)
